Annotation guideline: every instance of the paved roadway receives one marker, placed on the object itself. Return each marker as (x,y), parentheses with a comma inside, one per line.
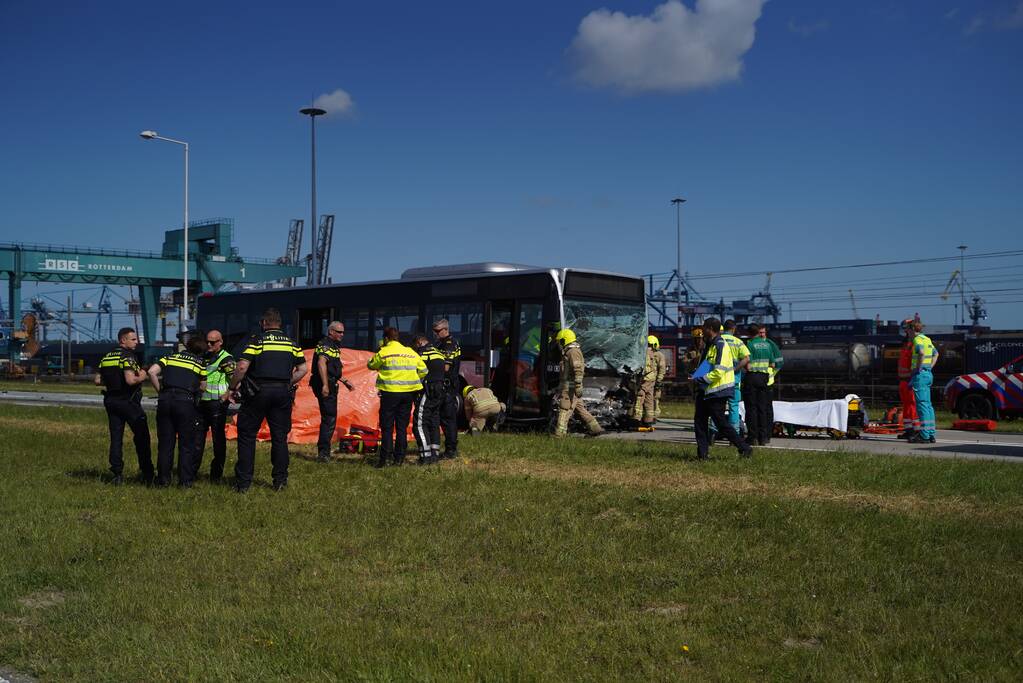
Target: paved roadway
(951,444)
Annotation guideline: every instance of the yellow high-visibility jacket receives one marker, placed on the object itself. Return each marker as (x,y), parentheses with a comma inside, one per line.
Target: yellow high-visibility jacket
(399,368)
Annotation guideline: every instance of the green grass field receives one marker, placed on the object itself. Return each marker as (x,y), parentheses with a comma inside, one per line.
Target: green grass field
(529,559)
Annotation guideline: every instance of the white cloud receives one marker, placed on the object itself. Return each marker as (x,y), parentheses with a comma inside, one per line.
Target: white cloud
(337,103)
(673,49)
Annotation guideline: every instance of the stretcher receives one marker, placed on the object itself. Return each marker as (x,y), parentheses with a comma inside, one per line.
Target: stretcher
(844,418)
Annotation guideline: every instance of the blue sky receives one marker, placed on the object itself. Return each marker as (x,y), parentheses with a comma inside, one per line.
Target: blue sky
(802,133)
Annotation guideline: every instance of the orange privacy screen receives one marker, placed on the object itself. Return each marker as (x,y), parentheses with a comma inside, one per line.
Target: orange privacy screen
(360,406)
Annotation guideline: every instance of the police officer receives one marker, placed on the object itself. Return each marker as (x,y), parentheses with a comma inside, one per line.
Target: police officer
(179,379)
(482,409)
(271,366)
(570,390)
(714,389)
(327,371)
(921,377)
(399,378)
(448,346)
(121,376)
(213,404)
(426,414)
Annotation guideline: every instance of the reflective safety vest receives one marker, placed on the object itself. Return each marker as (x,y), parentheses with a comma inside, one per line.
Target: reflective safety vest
(738,349)
(399,368)
(924,353)
(762,354)
(720,381)
(218,376)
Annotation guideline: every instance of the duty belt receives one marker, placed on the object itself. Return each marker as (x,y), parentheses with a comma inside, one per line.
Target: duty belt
(177,392)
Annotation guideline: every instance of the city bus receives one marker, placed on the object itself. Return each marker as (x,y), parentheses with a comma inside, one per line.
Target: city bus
(504,316)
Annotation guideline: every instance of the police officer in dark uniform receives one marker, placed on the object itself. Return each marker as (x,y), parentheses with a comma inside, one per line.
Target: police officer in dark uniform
(327,371)
(213,404)
(270,366)
(122,377)
(448,346)
(426,414)
(179,379)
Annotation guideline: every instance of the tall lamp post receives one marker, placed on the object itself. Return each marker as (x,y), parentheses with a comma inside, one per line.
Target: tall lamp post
(151,135)
(312,113)
(678,202)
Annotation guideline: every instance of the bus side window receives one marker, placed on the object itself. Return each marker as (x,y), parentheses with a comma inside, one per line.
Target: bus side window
(356,323)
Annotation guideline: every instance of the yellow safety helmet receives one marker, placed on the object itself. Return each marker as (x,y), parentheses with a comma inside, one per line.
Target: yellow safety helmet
(653,341)
(697,331)
(566,337)
(467,389)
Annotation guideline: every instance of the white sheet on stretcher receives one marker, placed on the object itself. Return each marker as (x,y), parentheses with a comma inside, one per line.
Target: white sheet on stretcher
(832,414)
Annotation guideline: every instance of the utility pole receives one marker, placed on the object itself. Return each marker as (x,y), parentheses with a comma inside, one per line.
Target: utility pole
(678,202)
(312,113)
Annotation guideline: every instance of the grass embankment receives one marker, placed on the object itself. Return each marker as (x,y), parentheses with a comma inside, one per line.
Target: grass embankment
(530,559)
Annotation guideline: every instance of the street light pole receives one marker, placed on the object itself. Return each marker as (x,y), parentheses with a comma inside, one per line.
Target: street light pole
(312,113)
(151,135)
(962,283)
(678,202)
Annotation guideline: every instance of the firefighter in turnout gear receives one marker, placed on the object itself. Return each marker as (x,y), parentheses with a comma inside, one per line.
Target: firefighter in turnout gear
(400,371)
(213,404)
(662,370)
(693,355)
(714,389)
(267,372)
(482,409)
(326,373)
(121,376)
(910,421)
(448,346)
(570,390)
(925,357)
(179,379)
(426,414)
(643,411)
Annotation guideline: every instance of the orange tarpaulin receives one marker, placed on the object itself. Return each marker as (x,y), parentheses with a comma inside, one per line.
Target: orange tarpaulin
(360,406)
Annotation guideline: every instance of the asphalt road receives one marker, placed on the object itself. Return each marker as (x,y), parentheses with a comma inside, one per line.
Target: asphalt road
(951,444)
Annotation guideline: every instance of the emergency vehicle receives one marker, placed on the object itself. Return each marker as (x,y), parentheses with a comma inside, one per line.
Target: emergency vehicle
(987,395)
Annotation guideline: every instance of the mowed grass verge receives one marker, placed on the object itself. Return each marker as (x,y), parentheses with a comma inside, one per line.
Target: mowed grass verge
(529,559)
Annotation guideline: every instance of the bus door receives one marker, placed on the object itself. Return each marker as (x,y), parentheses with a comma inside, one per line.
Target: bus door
(528,368)
(498,346)
(312,326)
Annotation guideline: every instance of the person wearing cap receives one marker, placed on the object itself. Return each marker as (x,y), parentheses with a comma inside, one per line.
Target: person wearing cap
(570,390)
(400,371)
(910,420)
(179,379)
(426,411)
(452,352)
(482,409)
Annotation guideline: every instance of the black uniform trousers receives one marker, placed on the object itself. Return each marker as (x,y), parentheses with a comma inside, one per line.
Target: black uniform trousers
(328,422)
(177,424)
(756,396)
(449,419)
(273,403)
(122,410)
(426,418)
(395,408)
(713,409)
(212,418)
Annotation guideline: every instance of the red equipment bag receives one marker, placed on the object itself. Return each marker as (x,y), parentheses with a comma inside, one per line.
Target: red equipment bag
(975,425)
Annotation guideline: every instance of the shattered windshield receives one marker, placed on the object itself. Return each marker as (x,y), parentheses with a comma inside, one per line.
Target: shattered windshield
(612,335)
